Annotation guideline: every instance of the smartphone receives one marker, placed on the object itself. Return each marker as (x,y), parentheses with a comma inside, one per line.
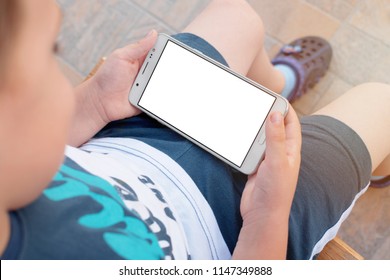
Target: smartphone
(206,102)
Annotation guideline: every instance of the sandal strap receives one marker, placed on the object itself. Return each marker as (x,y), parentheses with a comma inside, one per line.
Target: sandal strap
(291,49)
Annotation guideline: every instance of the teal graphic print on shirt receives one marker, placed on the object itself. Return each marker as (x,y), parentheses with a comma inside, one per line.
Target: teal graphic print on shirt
(131,240)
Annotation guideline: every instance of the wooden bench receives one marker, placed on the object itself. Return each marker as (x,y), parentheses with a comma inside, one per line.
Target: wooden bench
(337,249)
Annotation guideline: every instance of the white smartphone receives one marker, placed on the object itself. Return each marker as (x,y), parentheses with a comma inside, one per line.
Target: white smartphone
(206,102)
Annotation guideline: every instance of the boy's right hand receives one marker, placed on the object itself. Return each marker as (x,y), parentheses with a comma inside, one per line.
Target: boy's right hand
(273,185)
(268,194)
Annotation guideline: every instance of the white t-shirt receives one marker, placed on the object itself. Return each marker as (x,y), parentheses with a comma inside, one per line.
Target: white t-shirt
(154,185)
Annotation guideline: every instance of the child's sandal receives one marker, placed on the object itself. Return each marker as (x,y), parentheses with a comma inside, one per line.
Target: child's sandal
(309,57)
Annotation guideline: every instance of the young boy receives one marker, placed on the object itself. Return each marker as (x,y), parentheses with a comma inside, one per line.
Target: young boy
(139,191)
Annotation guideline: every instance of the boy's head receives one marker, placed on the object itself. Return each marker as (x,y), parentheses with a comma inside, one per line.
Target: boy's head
(36,100)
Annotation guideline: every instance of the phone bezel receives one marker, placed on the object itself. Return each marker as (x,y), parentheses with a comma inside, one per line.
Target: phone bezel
(257,149)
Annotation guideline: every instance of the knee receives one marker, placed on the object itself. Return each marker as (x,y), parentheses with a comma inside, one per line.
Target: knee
(376,90)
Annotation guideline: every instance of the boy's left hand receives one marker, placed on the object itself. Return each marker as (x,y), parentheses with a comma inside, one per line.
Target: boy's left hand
(113,80)
(104,97)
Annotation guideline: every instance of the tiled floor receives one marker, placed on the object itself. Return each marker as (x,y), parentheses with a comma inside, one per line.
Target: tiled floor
(357,29)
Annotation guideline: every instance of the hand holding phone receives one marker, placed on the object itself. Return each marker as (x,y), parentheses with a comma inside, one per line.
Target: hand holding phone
(206,102)
(267,189)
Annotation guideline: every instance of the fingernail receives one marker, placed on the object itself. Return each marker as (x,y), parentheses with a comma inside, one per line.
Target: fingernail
(150,33)
(276,118)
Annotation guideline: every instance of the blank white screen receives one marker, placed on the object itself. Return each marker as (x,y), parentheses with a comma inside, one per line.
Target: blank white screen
(207,103)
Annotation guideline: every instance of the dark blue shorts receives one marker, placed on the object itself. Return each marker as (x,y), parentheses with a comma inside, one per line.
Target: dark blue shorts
(324,193)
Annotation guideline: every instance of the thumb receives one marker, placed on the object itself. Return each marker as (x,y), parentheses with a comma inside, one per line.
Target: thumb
(275,137)
(139,50)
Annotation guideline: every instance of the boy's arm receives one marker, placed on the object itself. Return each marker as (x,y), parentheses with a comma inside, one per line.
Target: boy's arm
(268,194)
(104,97)
(87,119)
(265,238)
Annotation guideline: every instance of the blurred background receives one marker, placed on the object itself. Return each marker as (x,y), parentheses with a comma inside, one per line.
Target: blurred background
(358,30)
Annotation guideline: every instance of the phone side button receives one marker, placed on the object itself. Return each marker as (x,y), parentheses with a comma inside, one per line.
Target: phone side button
(199,52)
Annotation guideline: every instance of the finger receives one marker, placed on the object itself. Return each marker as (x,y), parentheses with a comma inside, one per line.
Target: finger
(138,51)
(275,137)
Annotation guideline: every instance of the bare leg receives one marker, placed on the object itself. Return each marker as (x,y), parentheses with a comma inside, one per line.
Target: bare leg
(235,29)
(263,72)
(384,168)
(365,109)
